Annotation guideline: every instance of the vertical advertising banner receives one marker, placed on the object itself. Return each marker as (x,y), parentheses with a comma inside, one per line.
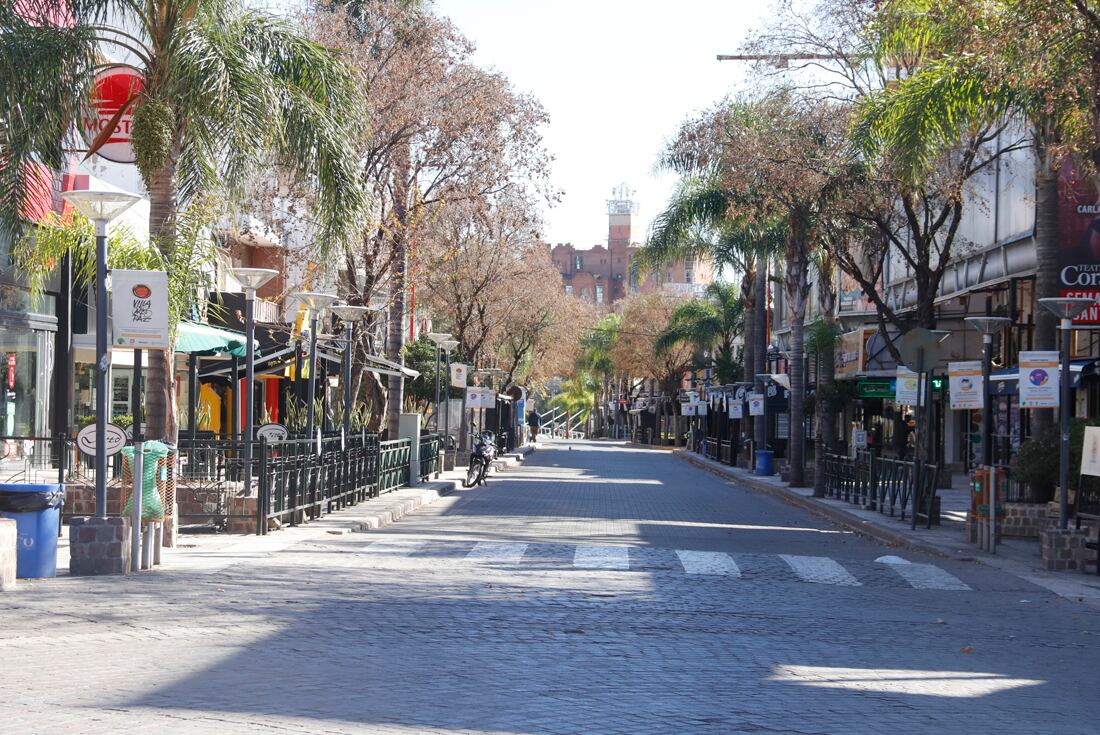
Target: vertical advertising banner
(139,309)
(964,381)
(737,408)
(907,388)
(756,404)
(458,375)
(1039,383)
(687,409)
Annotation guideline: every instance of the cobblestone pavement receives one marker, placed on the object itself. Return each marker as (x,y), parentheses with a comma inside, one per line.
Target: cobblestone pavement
(596,589)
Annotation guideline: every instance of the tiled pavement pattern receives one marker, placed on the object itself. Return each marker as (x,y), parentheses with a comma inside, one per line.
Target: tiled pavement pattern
(475,617)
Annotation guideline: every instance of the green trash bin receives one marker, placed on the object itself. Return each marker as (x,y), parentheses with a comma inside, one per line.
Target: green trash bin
(152,506)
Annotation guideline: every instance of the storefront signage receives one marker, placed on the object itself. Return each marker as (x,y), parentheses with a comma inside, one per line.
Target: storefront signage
(756,404)
(907,388)
(1079,241)
(875,389)
(11,371)
(272,432)
(116,440)
(1039,379)
(139,309)
(116,91)
(965,385)
(458,375)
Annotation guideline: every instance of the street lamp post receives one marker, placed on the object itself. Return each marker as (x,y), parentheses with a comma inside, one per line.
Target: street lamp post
(251,279)
(438,338)
(447,346)
(101,207)
(988,326)
(348,315)
(1066,309)
(316,303)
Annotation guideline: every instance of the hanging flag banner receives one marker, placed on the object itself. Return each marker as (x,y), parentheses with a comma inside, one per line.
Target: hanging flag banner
(139,309)
(964,381)
(1039,379)
(737,408)
(1090,452)
(907,389)
(459,373)
(756,404)
(701,408)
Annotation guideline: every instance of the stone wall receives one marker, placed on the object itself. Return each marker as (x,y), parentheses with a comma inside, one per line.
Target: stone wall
(1063,550)
(8,539)
(99,546)
(1024,520)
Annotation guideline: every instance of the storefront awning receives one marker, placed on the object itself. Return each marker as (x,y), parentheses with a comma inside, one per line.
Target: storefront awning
(781,378)
(202,339)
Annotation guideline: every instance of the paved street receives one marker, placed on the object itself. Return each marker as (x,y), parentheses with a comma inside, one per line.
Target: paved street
(595,589)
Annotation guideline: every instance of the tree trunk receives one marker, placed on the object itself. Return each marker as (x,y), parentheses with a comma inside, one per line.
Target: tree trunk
(1047,277)
(160,393)
(825,439)
(798,288)
(748,296)
(395,334)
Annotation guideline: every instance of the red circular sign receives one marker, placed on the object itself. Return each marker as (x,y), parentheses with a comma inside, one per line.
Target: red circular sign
(142,291)
(114,88)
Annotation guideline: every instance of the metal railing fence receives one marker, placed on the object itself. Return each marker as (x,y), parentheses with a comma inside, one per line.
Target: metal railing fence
(875,483)
(429,455)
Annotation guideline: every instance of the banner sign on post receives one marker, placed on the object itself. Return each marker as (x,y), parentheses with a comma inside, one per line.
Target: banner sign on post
(687,409)
(458,375)
(701,408)
(1039,379)
(737,409)
(139,309)
(964,382)
(1090,452)
(756,404)
(907,388)
(477,397)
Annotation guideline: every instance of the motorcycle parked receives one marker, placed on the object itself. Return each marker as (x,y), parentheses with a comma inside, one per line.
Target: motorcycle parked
(481,458)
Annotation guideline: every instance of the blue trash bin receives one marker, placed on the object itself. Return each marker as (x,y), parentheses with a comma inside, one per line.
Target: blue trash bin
(765,462)
(36,510)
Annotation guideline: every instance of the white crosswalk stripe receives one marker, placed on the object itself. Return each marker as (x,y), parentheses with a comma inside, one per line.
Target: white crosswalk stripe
(820,570)
(708,562)
(494,551)
(601,557)
(929,577)
(393,547)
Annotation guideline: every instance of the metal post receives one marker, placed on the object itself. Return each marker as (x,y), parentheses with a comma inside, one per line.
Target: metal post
(192,394)
(138,468)
(101,359)
(447,405)
(235,404)
(250,382)
(312,388)
(917,436)
(348,334)
(1064,409)
(987,440)
(437,388)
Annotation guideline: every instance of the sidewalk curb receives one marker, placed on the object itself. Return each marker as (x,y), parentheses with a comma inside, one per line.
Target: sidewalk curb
(852,522)
(401,507)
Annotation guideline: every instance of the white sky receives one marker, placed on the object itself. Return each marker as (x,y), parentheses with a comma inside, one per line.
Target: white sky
(617,78)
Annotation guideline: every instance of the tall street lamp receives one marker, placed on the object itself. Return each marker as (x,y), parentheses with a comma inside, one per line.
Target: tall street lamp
(438,338)
(447,346)
(988,326)
(101,207)
(1066,309)
(316,303)
(251,279)
(348,314)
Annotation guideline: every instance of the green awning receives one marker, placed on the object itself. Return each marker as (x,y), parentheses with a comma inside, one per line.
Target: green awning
(202,339)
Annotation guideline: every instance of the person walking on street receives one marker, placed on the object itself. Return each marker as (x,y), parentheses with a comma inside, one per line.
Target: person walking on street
(533,423)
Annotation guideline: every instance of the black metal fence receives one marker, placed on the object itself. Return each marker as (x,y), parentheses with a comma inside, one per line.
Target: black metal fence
(429,455)
(885,485)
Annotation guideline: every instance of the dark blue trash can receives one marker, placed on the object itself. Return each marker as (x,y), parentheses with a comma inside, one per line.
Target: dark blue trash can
(36,510)
(765,462)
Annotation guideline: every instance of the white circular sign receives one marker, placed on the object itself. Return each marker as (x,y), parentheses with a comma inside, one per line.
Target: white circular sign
(116,440)
(272,432)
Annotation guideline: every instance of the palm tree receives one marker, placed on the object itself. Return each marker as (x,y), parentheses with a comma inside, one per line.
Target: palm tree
(710,324)
(229,94)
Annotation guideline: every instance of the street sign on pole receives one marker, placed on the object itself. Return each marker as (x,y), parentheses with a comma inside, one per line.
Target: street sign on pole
(920,349)
(139,308)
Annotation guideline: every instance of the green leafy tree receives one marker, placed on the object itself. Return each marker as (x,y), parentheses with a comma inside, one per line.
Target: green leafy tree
(229,93)
(710,324)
